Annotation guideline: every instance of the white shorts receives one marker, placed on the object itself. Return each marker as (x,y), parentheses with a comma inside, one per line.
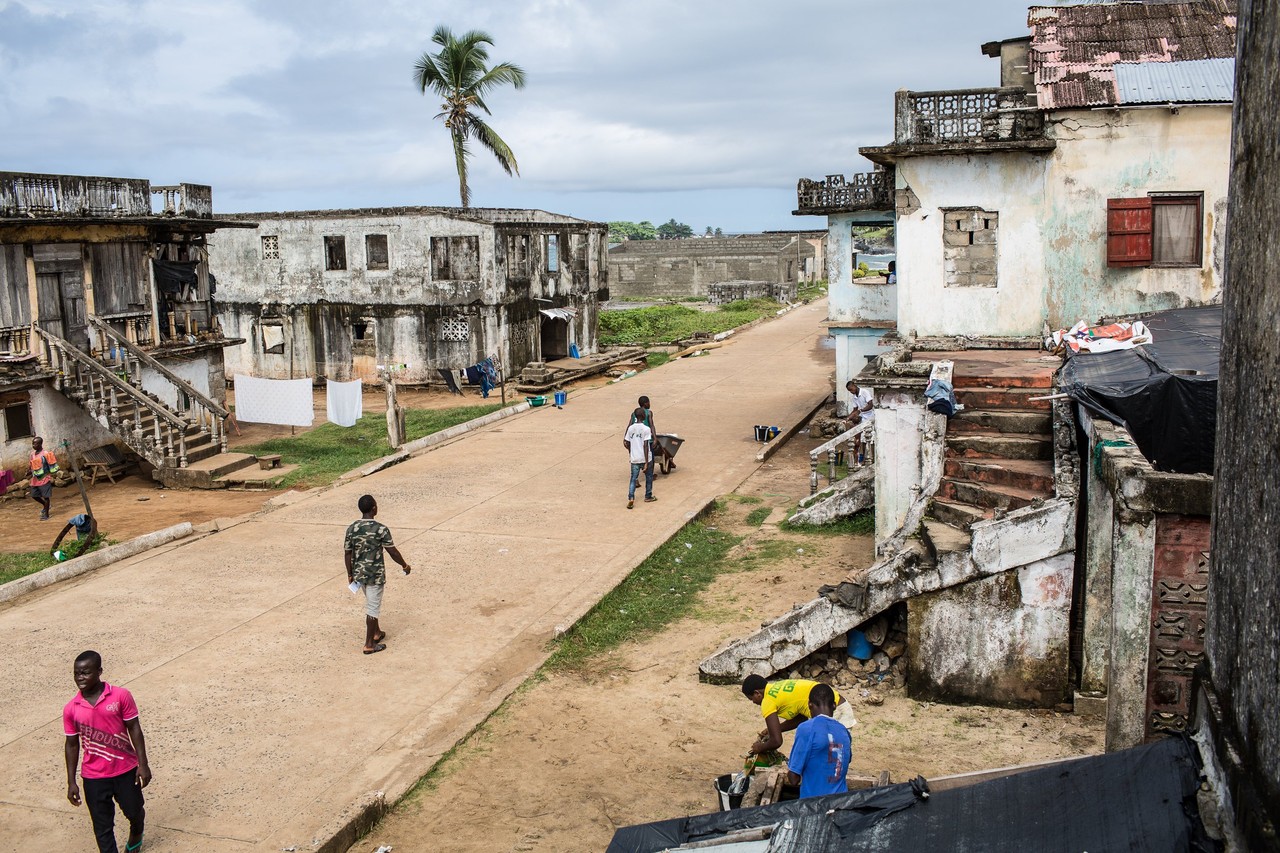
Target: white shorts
(373,600)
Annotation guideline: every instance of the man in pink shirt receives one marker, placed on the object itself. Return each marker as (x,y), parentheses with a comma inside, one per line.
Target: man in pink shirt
(103,719)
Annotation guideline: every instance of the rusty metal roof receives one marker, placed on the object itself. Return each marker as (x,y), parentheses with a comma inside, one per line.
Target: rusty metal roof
(1074,49)
(1206,81)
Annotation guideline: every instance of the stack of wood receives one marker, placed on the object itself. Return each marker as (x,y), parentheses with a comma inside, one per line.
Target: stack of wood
(887,665)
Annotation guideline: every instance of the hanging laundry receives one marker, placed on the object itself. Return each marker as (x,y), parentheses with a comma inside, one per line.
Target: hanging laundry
(450,379)
(345,402)
(6,480)
(488,376)
(473,374)
(285,402)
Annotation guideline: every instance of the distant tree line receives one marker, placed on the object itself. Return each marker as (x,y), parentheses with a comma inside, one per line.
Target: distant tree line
(646,230)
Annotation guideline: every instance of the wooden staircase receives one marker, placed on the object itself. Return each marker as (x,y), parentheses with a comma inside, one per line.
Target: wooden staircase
(999,449)
(106,382)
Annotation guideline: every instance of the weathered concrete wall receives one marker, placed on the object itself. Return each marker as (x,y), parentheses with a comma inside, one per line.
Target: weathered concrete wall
(859,310)
(854,493)
(676,268)
(1000,640)
(1053,209)
(54,418)
(1244,589)
(452,292)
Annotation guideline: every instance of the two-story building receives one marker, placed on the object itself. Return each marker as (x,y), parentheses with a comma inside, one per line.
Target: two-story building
(108,328)
(336,293)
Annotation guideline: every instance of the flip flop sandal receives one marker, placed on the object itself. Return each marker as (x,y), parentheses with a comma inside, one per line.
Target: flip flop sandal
(380,637)
(133,848)
(377,648)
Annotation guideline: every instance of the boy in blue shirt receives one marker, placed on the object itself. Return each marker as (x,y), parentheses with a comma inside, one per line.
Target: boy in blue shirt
(822,750)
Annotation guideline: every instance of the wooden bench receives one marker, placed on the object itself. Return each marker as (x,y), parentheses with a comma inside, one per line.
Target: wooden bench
(107,460)
(266,463)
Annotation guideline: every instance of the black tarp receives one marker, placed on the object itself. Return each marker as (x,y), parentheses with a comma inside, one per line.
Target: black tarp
(1164,393)
(1137,799)
(173,276)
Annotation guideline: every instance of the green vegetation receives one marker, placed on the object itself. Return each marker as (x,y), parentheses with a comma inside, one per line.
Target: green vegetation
(660,590)
(808,290)
(666,323)
(874,234)
(860,524)
(329,451)
(622,230)
(672,230)
(658,358)
(862,271)
(14,566)
(459,76)
(756,517)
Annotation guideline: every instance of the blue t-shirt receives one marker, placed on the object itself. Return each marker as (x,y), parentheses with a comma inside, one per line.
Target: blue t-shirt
(820,757)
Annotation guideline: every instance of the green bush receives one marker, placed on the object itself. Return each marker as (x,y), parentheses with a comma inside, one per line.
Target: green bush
(666,323)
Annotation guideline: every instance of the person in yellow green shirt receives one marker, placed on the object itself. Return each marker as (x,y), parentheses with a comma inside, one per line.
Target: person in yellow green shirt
(784,706)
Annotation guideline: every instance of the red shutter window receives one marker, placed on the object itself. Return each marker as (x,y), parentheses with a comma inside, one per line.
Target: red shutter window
(1129,232)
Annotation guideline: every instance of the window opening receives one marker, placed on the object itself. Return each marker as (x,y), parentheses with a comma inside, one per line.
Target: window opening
(17,421)
(273,338)
(553,253)
(375,251)
(270,247)
(335,253)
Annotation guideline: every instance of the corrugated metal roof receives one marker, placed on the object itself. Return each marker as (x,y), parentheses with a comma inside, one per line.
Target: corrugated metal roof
(1194,81)
(1075,49)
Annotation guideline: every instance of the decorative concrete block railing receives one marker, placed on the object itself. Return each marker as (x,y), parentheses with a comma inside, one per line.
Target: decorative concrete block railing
(966,115)
(32,195)
(863,191)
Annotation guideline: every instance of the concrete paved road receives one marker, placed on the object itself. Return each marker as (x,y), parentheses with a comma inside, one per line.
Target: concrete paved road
(263,720)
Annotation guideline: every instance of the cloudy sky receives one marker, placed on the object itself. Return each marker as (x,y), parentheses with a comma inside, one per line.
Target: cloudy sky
(702,110)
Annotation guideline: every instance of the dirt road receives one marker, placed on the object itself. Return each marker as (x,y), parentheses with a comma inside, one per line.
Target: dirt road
(264,721)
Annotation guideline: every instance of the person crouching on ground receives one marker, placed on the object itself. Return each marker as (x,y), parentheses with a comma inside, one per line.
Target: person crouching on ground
(822,750)
(639,443)
(365,541)
(784,706)
(103,720)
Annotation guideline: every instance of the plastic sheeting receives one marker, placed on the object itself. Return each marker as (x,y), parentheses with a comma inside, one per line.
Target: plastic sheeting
(1137,799)
(1165,393)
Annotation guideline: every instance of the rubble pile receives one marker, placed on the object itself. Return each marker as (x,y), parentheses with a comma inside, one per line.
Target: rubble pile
(885,652)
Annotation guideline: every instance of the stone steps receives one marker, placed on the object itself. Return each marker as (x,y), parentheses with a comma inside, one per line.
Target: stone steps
(1000,420)
(956,514)
(987,495)
(1031,474)
(1004,398)
(995,445)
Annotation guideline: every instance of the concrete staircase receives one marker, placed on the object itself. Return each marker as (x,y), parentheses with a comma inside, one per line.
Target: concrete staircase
(999,450)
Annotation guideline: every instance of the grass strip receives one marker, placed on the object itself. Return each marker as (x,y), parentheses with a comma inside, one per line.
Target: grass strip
(756,517)
(329,451)
(659,591)
(667,323)
(14,566)
(861,523)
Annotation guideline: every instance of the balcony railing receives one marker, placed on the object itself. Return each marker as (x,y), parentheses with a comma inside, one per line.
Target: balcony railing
(24,194)
(865,191)
(966,116)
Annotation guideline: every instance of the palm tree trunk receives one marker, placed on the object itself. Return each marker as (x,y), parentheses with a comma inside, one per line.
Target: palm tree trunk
(460,156)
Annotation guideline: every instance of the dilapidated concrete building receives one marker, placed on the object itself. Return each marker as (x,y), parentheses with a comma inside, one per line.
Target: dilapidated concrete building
(336,293)
(1092,183)
(108,332)
(671,269)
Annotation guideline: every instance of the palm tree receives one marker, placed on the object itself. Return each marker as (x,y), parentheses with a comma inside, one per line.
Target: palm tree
(459,75)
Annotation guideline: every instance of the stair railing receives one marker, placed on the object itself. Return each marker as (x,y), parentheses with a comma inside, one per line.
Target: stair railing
(128,358)
(832,449)
(111,400)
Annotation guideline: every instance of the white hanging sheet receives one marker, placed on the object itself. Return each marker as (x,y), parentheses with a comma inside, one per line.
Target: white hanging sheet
(286,402)
(345,402)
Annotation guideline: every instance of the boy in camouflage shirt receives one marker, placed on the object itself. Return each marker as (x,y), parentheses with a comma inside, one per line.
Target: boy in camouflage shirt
(364,543)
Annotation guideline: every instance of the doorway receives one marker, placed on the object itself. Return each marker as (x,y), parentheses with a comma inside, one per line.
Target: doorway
(555,338)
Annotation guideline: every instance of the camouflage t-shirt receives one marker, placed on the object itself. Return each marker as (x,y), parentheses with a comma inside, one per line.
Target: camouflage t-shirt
(366,539)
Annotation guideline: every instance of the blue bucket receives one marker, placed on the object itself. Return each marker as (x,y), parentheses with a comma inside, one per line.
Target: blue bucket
(561,397)
(859,647)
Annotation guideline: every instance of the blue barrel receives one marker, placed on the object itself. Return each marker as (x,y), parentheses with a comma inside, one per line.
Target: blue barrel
(561,397)
(859,646)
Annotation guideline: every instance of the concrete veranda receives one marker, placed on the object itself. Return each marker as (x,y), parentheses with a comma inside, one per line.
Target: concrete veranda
(263,720)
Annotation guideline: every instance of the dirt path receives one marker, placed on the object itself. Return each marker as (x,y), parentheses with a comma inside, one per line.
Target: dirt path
(637,738)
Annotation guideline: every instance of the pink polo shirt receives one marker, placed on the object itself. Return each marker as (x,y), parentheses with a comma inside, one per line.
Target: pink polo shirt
(104,741)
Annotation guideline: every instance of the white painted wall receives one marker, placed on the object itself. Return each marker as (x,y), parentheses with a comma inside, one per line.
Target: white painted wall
(55,419)
(1052,231)
(899,431)
(194,372)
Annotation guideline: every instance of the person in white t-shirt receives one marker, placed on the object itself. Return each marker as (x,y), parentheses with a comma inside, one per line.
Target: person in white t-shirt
(638,440)
(860,412)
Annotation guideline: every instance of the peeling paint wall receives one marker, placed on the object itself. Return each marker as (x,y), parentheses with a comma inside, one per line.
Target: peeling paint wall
(1000,640)
(1053,222)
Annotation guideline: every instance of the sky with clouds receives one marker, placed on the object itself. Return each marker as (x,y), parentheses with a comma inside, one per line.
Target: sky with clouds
(705,111)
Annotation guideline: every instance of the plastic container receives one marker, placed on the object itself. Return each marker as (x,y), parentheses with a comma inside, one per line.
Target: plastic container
(727,801)
(537,401)
(573,351)
(762,433)
(859,646)
(561,398)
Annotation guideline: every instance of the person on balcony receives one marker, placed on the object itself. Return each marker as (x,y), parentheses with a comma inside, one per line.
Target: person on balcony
(43,466)
(860,412)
